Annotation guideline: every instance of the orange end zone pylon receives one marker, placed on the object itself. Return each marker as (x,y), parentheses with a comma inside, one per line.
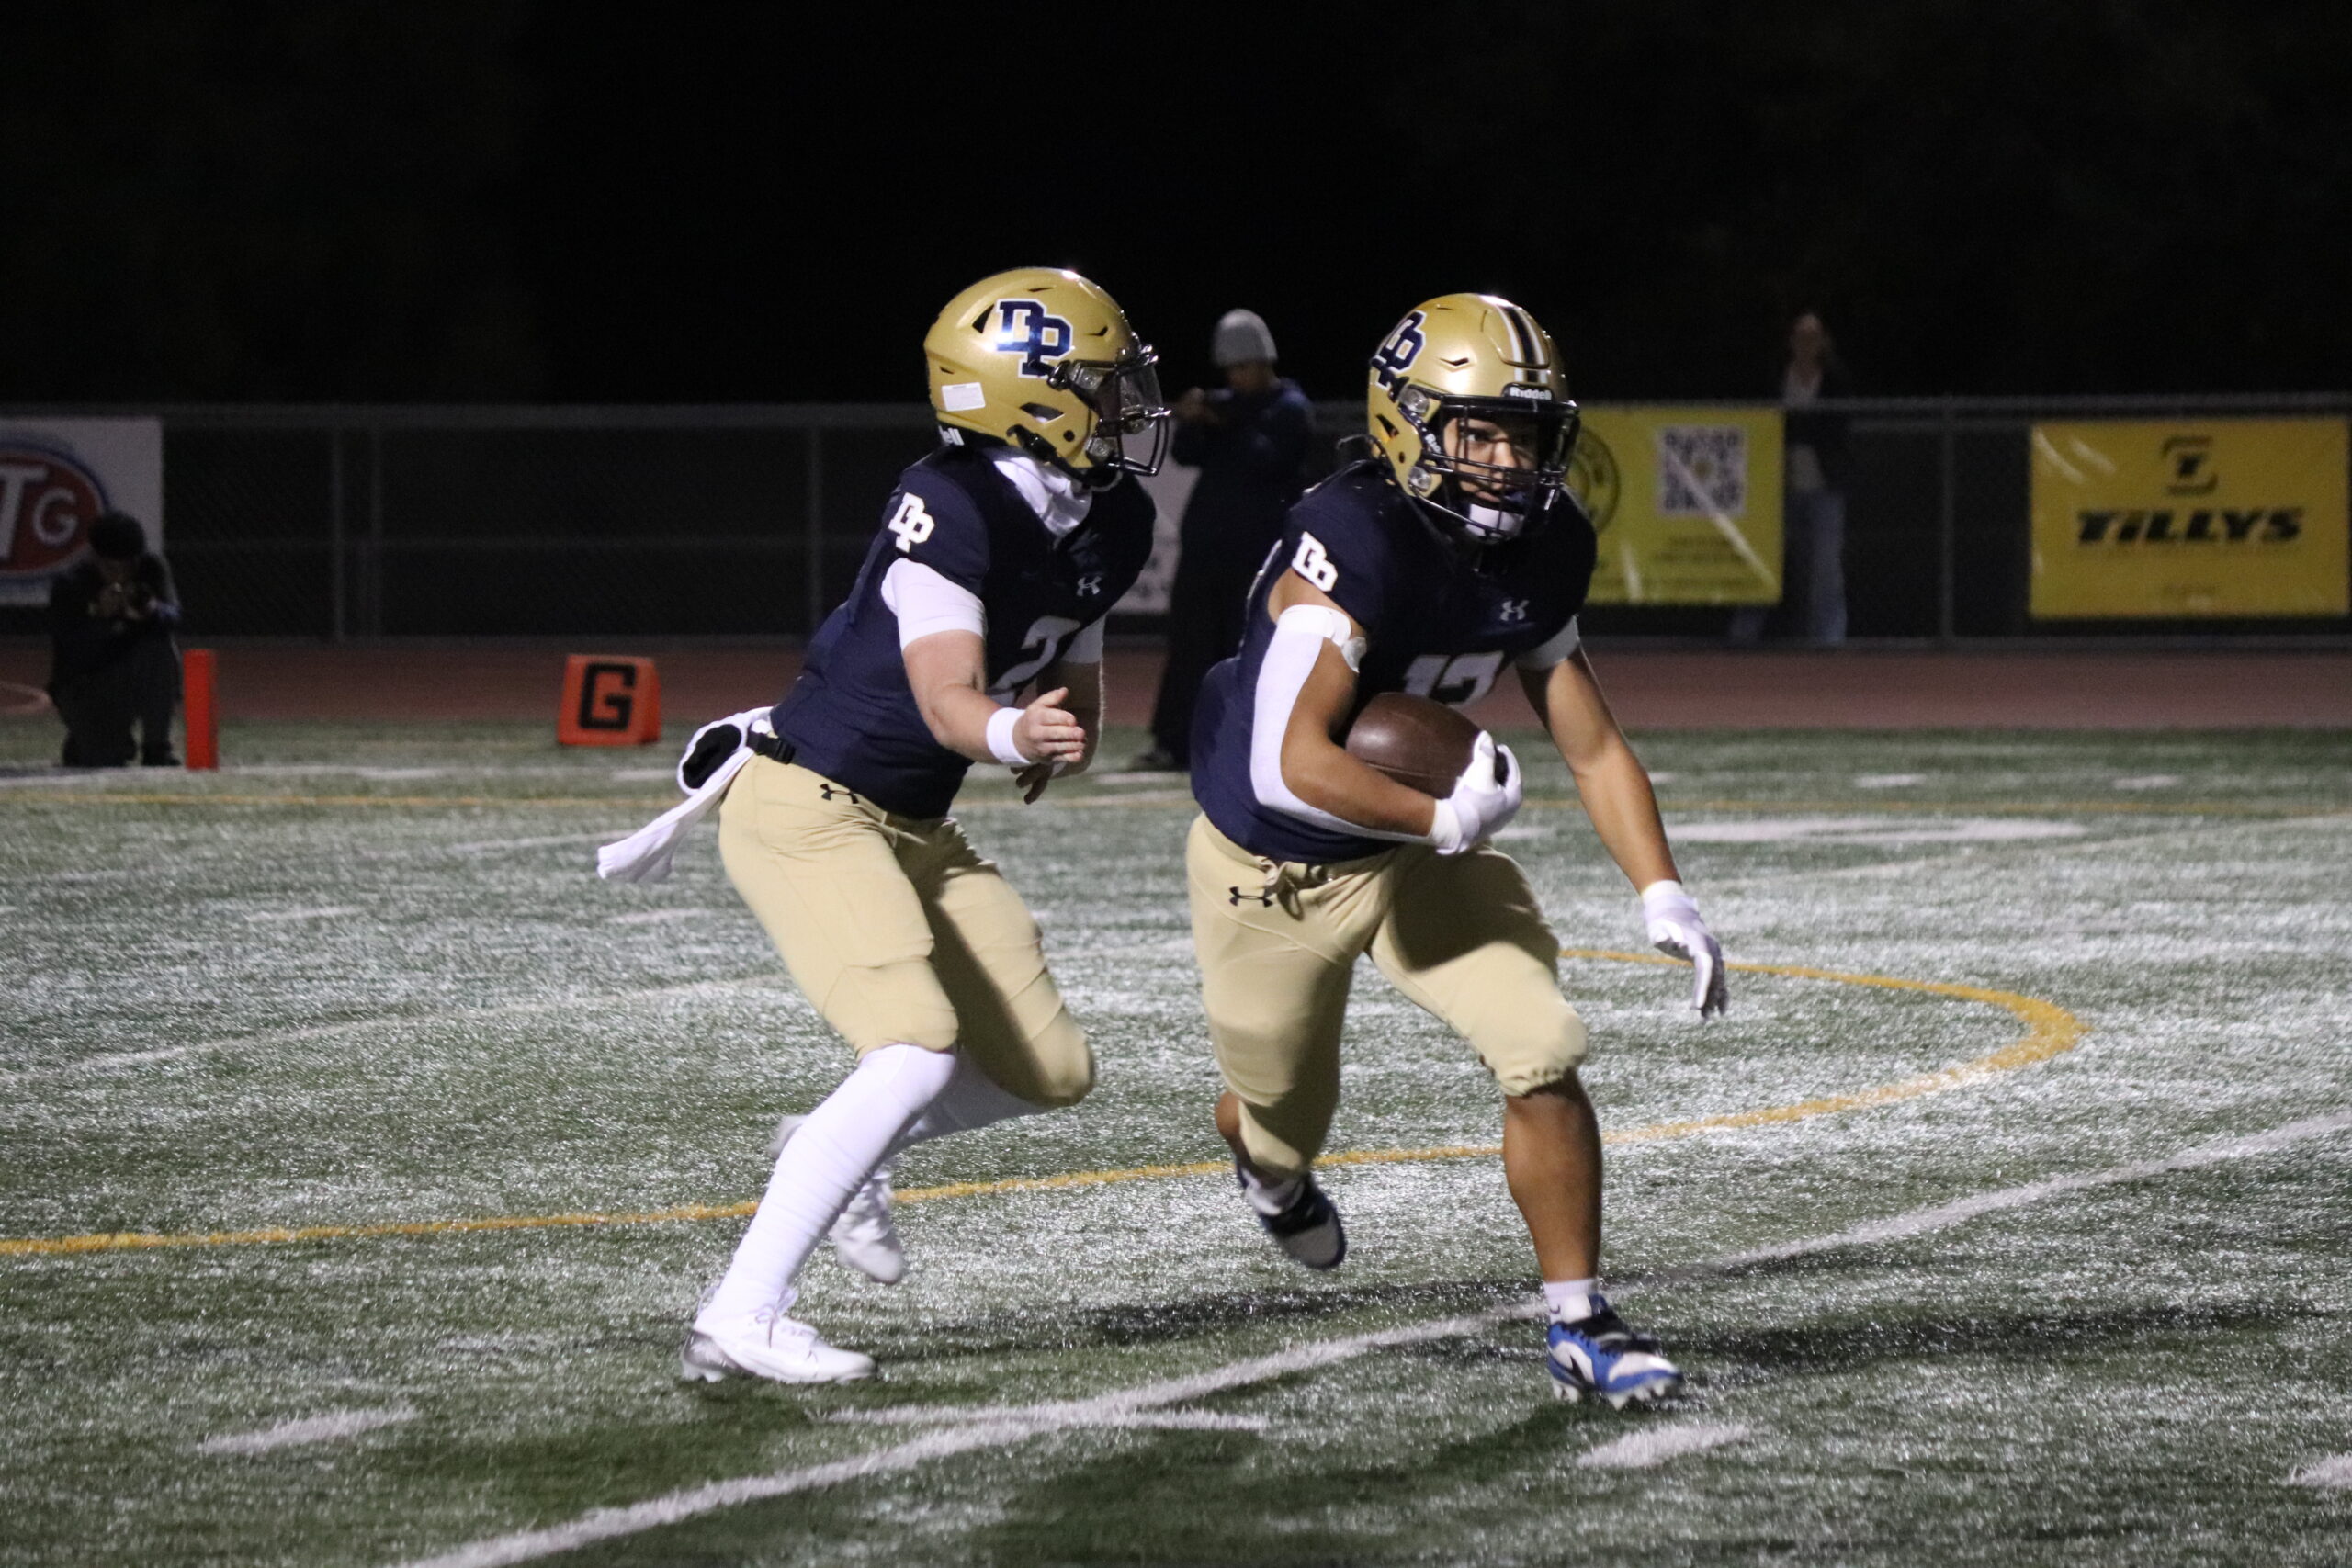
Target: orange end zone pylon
(200,700)
(609,700)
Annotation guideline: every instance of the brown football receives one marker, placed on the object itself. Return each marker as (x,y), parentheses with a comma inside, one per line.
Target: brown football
(1422,744)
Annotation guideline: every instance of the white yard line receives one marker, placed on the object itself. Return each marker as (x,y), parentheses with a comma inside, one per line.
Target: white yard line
(1005,1426)
(1652,1446)
(2039,849)
(323,912)
(966,1414)
(310,1430)
(1942,1216)
(2335,1473)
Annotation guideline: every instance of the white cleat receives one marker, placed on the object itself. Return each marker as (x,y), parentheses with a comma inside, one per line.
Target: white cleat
(768,1345)
(865,1237)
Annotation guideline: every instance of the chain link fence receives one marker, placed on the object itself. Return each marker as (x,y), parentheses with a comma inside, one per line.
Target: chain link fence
(358,523)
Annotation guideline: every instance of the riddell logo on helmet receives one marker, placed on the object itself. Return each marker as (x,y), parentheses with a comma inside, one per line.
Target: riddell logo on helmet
(48,500)
(2218,526)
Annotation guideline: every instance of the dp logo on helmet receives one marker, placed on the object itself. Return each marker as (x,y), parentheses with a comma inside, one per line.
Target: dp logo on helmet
(1023,327)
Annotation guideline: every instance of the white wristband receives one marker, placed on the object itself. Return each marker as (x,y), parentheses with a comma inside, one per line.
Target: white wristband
(1445,828)
(1000,725)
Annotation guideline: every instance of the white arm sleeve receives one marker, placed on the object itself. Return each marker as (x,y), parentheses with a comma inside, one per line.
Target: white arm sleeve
(1563,642)
(1086,648)
(1299,637)
(925,602)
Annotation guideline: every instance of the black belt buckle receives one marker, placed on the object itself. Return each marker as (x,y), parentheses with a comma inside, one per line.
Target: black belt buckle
(776,748)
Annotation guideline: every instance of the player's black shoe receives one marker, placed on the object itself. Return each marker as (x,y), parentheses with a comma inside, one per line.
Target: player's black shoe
(1307,1228)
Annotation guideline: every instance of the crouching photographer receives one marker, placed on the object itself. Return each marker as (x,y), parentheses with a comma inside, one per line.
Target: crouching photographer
(112,657)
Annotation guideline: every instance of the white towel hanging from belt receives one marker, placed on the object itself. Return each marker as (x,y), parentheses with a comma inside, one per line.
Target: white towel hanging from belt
(645,855)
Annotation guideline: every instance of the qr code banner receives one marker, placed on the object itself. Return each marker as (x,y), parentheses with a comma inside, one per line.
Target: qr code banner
(1687,502)
(1702,470)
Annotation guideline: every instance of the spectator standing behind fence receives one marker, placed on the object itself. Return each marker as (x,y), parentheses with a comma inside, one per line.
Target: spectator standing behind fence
(1249,439)
(1812,513)
(111,655)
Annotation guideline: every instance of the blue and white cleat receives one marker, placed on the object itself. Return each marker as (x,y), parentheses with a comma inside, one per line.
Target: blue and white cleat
(1597,1354)
(1306,1229)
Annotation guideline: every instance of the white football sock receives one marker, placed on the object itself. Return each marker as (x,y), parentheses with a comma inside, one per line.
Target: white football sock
(1570,1299)
(971,1100)
(831,1155)
(1271,1198)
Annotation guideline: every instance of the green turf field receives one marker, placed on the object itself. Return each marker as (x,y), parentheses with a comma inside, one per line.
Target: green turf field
(2085,1300)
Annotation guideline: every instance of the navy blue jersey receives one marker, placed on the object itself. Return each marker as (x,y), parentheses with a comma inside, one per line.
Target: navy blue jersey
(1440,621)
(852,716)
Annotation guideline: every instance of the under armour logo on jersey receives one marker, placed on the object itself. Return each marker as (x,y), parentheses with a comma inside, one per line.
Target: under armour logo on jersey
(1264,900)
(1515,609)
(1397,355)
(1024,328)
(1090,585)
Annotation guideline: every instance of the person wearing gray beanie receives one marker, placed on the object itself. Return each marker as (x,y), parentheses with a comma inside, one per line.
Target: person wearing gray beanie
(1242,337)
(1249,439)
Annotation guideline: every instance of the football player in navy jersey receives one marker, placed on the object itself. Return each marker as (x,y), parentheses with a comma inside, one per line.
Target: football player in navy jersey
(1452,550)
(998,556)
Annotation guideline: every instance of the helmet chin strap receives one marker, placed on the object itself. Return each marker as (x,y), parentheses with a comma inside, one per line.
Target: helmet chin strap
(1102,476)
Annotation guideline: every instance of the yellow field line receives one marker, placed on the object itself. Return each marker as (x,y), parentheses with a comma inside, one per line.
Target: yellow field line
(2050,1031)
(658,803)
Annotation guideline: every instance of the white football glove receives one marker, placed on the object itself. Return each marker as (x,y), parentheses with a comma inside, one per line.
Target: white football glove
(1486,796)
(1676,929)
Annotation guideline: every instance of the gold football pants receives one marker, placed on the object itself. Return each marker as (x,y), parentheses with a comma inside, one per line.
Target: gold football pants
(1460,935)
(897,932)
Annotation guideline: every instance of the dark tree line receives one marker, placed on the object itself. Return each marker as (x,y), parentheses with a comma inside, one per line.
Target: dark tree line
(500,199)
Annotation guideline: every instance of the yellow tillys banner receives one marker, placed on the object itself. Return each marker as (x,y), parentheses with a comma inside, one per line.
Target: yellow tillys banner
(2194,517)
(1687,502)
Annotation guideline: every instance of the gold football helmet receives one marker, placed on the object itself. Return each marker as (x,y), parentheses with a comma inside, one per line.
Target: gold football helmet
(1045,361)
(1469,410)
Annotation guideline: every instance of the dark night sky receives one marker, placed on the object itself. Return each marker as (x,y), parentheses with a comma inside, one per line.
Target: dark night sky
(505,200)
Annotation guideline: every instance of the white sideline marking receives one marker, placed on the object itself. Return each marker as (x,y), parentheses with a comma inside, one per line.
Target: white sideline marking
(952,1416)
(1646,1450)
(1003,1427)
(1888,780)
(2335,1473)
(1874,831)
(325,912)
(999,1430)
(657,916)
(1919,1221)
(2149,781)
(310,1430)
